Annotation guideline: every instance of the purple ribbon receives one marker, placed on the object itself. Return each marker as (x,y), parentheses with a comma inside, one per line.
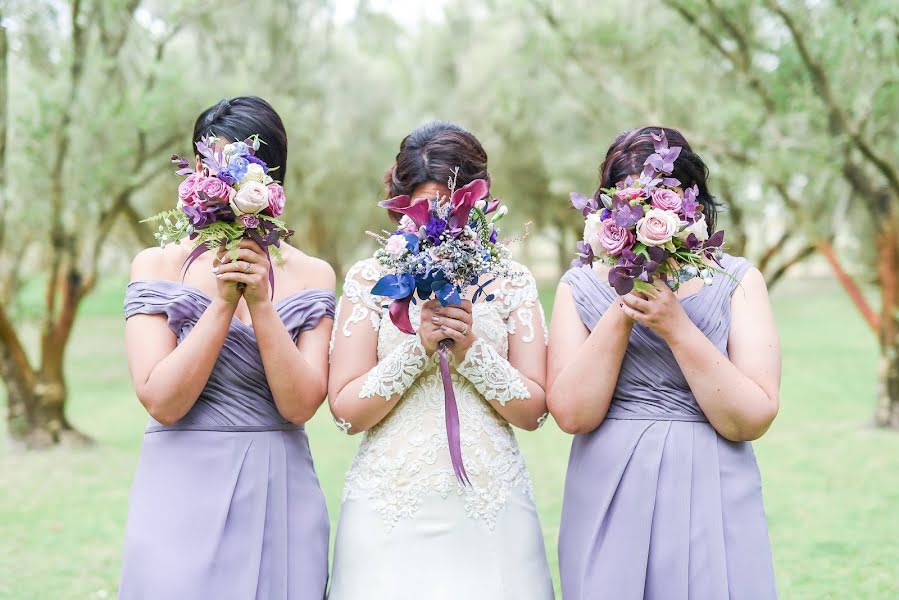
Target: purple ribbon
(452,414)
(202,249)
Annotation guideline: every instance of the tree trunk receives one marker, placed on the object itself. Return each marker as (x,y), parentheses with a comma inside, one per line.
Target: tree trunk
(887,413)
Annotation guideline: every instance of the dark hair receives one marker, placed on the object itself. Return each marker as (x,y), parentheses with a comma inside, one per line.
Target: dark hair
(239,118)
(432,153)
(629,151)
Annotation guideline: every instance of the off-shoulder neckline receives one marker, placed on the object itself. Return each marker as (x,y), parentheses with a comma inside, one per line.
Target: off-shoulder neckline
(205,297)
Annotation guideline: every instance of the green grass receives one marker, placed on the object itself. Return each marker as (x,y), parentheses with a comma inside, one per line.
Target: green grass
(831,485)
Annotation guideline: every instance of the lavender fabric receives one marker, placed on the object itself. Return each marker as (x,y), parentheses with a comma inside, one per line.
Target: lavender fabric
(657,505)
(225,503)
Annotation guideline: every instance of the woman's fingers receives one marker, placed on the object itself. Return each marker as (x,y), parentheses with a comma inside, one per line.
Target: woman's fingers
(236,277)
(454,324)
(452,333)
(239,266)
(634,314)
(252,246)
(244,254)
(636,302)
(455,312)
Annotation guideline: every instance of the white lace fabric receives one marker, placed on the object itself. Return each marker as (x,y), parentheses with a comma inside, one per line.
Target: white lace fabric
(405,457)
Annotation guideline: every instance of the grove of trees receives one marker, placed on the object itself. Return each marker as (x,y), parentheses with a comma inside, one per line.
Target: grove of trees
(794,105)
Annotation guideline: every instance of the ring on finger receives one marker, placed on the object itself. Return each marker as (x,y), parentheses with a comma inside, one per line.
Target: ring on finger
(464,329)
(248,268)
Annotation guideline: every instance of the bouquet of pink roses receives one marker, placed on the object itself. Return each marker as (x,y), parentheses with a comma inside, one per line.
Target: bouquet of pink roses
(647,229)
(227,195)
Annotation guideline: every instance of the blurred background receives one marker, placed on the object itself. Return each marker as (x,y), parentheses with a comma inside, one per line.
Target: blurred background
(793,104)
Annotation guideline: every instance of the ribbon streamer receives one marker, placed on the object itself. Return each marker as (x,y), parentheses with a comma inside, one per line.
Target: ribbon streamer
(452,414)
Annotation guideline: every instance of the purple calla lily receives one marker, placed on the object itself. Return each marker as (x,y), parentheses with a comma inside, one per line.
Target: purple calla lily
(419,210)
(463,201)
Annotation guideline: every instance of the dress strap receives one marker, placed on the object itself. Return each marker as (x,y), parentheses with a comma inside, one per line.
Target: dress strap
(589,296)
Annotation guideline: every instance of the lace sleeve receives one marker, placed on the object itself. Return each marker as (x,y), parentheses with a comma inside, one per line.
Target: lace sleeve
(394,373)
(525,313)
(492,375)
(357,299)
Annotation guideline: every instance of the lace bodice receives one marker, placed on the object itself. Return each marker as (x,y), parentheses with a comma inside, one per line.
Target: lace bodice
(405,457)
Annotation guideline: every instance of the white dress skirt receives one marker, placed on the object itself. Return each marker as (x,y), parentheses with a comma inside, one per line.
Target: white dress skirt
(408,529)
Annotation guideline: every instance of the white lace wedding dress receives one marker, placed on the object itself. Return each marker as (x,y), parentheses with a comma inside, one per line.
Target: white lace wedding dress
(408,530)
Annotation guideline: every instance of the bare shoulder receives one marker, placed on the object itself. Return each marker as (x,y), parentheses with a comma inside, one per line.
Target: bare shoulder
(158,263)
(308,271)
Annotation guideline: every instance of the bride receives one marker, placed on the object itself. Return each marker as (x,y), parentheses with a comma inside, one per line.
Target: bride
(408,529)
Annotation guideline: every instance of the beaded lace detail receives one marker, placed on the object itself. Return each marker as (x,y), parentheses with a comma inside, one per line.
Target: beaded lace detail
(405,457)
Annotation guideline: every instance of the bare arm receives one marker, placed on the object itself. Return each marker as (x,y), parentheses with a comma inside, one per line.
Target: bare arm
(583,366)
(297,373)
(169,377)
(739,395)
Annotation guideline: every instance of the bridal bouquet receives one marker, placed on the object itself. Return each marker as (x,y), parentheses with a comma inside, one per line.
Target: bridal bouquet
(226,196)
(646,229)
(441,248)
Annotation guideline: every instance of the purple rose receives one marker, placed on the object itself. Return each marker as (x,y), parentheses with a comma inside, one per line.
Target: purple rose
(250,221)
(215,188)
(188,188)
(615,239)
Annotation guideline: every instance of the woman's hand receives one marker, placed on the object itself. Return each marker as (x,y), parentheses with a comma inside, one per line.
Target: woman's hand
(247,272)
(227,290)
(456,322)
(661,311)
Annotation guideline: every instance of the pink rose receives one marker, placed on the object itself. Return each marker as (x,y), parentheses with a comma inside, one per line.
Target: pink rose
(657,227)
(276,199)
(667,200)
(188,188)
(215,188)
(629,193)
(615,239)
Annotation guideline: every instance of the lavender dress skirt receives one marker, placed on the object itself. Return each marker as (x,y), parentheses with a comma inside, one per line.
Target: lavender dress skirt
(657,505)
(225,503)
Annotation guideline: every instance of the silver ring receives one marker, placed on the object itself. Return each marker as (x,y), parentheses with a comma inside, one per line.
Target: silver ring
(248,268)
(464,330)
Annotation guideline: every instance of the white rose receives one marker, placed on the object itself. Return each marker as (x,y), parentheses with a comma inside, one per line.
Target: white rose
(254,173)
(657,227)
(592,227)
(396,245)
(699,229)
(250,199)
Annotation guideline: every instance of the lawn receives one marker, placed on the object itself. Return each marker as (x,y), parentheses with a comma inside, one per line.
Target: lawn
(831,480)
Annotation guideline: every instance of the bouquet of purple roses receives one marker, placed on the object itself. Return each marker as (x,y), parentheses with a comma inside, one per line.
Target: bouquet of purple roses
(647,229)
(442,247)
(227,195)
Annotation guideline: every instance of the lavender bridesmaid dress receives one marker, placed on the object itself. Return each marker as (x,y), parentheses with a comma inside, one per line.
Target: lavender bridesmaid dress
(225,503)
(657,505)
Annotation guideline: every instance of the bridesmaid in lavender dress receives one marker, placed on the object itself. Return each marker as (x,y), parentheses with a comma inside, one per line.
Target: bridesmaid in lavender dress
(663,496)
(225,503)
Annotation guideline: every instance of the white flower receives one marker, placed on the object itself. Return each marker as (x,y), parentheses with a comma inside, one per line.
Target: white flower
(500,213)
(254,173)
(592,227)
(396,245)
(250,199)
(699,229)
(657,227)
